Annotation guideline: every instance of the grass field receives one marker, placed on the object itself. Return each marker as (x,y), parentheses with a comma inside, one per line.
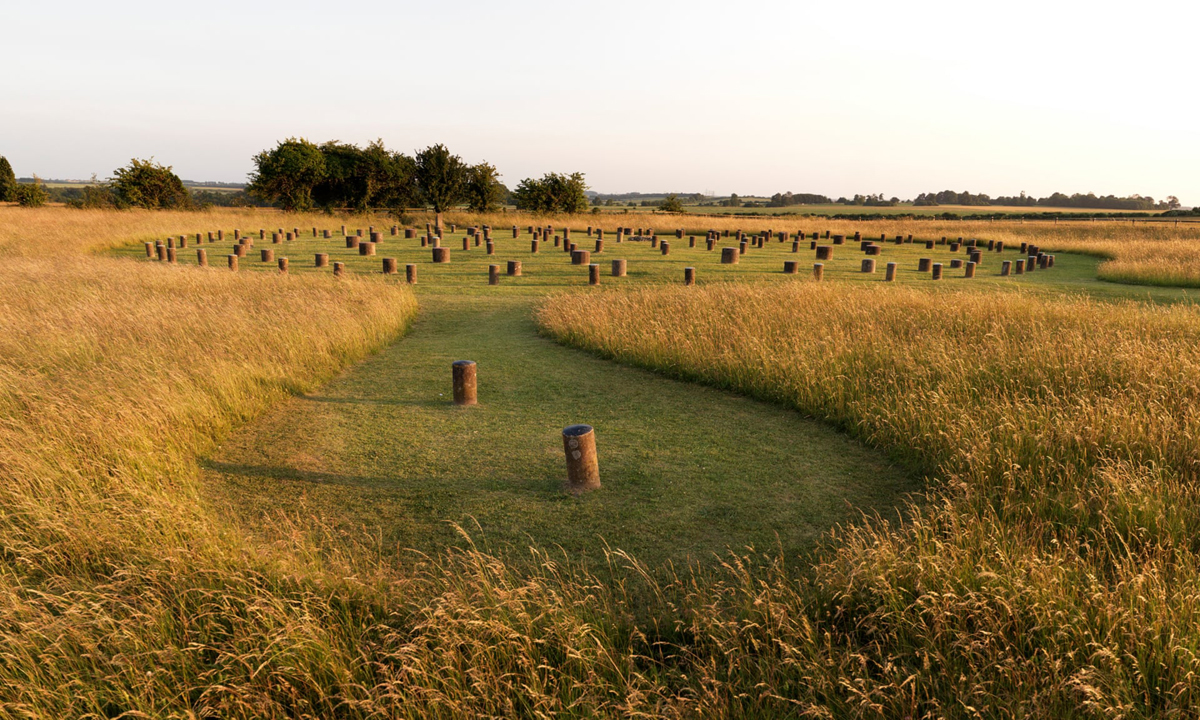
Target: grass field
(198,524)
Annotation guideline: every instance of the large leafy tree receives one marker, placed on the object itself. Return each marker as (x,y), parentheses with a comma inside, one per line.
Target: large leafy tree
(8,181)
(440,179)
(554,193)
(287,174)
(146,184)
(484,191)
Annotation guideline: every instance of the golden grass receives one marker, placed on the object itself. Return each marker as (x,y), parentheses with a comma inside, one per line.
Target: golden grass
(1052,577)
(1053,571)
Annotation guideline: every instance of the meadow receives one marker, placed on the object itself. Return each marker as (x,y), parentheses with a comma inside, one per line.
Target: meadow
(246,495)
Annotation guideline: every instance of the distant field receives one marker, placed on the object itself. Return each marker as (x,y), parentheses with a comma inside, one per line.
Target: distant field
(903,209)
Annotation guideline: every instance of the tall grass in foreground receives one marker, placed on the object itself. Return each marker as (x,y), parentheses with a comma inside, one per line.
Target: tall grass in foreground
(1054,571)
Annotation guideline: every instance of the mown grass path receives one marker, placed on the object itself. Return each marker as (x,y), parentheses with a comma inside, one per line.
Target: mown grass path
(688,471)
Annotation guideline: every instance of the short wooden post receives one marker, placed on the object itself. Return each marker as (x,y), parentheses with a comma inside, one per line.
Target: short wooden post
(491,248)
(240,250)
(956,263)
(790,267)
(351,241)
(1005,268)
(268,255)
(709,244)
(441,255)
(465,383)
(970,270)
(580,257)
(599,246)
(593,273)
(466,244)
(233,262)
(923,264)
(170,255)
(928,244)
(665,247)
(868,265)
(322,260)
(533,246)
(389,266)
(326,234)
(275,239)
(493,274)
(149,250)
(202,257)
(290,237)
(283,266)
(729,255)
(514,268)
(366,248)
(890,272)
(583,471)
(1019,267)
(183,242)
(824,252)
(839,239)
(339,269)
(689,276)
(517,233)
(618,268)
(818,271)
(937,271)
(742,247)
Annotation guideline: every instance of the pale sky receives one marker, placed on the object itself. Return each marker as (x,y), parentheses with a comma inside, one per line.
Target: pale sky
(752,97)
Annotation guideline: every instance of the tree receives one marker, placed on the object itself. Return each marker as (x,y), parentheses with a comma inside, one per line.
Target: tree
(287,174)
(483,190)
(30,194)
(440,179)
(554,193)
(8,181)
(734,200)
(146,184)
(672,204)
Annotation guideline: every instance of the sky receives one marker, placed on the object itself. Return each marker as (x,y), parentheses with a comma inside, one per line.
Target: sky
(752,97)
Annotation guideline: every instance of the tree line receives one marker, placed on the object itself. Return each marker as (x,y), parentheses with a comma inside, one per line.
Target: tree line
(298,174)
(1089,201)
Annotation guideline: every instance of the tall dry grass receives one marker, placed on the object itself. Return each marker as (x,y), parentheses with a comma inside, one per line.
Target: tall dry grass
(1054,570)
(122,595)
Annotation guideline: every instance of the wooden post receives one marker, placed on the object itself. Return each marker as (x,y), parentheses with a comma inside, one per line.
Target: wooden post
(689,276)
(666,247)
(170,255)
(268,255)
(890,273)
(514,268)
(149,250)
(326,234)
(970,272)
(923,264)
(366,248)
(599,246)
(839,239)
(283,266)
(709,244)
(741,248)
(233,262)
(790,267)
(351,241)
(533,246)
(202,257)
(339,269)
(618,268)
(240,250)
(290,237)
(937,271)
(1005,268)
(583,471)
(593,273)
(441,255)
(322,260)
(729,255)
(466,243)
(1019,267)
(818,271)
(389,266)
(824,252)
(868,265)
(580,257)
(465,384)
(493,274)
(275,239)
(183,242)
(491,248)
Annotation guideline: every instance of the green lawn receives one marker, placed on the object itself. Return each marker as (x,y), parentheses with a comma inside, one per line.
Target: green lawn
(688,471)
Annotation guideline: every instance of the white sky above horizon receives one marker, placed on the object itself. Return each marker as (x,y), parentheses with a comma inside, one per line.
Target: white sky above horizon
(754,97)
